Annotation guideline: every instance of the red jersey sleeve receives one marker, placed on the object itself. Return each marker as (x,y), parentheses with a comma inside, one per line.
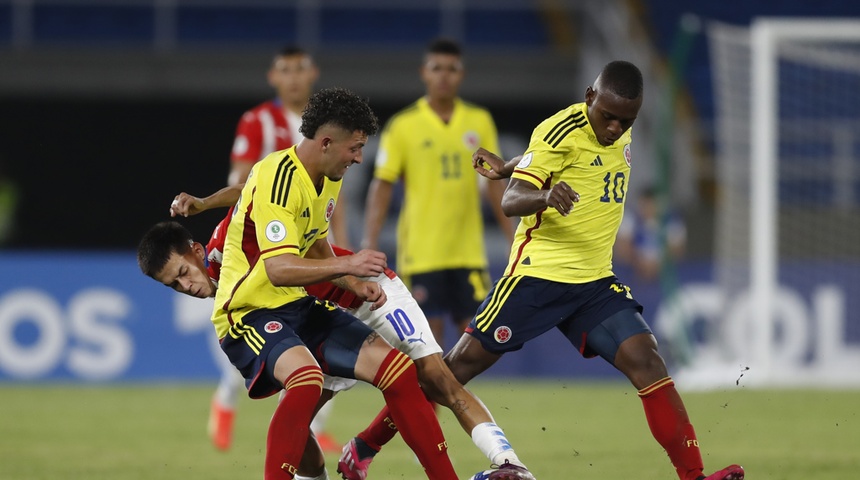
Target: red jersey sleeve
(215,248)
(248,144)
(328,291)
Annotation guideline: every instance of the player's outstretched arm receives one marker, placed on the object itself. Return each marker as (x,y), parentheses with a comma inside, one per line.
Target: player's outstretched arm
(289,270)
(370,291)
(375,211)
(187,205)
(522,198)
(492,166)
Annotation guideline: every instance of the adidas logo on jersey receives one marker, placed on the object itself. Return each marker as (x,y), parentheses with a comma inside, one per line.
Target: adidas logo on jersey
(306,213)
(597,162)
(527,261)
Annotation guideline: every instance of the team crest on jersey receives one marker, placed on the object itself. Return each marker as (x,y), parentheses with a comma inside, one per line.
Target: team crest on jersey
(627,154)
(273,327)
(329,209)
(526,160)
(471,140)
(502,334)
(275,231)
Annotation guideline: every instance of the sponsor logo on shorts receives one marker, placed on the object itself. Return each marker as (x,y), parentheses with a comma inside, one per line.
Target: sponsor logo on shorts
(502,334)
(273,326)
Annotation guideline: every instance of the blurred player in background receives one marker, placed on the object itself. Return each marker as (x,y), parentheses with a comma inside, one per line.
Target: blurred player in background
(647,235)
(271,126)
(569,189)
(440,239)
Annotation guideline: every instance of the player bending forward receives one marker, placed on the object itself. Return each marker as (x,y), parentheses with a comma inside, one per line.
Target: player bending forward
(399,320)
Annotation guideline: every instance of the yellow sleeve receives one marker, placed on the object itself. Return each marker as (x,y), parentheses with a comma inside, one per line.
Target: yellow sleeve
(275,222)
(540,161)
(391,156)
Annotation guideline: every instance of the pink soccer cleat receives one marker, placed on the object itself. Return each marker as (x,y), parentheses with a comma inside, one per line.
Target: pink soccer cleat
(732,472)
(350,466)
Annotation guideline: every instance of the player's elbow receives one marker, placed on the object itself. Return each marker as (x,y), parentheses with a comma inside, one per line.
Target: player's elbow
(278,274)
(511,207)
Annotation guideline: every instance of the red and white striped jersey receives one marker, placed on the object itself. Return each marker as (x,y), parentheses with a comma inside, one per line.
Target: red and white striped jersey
(264,129)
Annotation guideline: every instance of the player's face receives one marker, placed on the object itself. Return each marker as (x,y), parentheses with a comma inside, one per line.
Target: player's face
(187,273)
(610,115)
(293,78)
(442,74)
(341,150)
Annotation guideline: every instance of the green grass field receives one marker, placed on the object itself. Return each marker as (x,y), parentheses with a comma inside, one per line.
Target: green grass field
(562,429)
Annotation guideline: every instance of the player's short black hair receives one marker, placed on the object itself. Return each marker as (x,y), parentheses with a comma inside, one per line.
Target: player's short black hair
(159,242)
(290,50)
(339,107)
(444,45)
(623,79)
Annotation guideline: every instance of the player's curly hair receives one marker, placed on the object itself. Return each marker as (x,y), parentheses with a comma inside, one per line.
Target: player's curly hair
(339,107)
(159,242)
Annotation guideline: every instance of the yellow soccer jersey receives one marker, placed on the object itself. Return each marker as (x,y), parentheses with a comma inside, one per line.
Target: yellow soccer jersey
(279,212)
(440,225)
(576,248)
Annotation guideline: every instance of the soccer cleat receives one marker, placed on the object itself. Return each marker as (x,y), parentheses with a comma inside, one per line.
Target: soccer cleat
(327,443)
(732,472)
(507,471)
(350,466)
(220,426)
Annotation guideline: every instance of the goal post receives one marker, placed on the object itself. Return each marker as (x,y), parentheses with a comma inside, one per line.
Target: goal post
(766,37)
(787,230)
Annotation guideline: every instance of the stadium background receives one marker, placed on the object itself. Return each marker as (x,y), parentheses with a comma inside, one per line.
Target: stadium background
(109,108)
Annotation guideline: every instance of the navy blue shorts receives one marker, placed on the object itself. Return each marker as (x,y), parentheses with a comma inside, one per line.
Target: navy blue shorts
(521,308)
(333,337)
(456,291)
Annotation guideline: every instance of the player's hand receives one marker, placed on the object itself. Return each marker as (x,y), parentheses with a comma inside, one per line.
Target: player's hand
(186,205)
(366,263)
(561,197)
(488,164)
(370,291)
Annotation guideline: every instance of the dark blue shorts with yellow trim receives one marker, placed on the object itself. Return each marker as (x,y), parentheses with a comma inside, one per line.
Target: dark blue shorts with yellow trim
(455,291)
(333,337)
(521,308)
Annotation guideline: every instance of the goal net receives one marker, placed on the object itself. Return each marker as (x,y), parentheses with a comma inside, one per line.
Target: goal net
(786,296)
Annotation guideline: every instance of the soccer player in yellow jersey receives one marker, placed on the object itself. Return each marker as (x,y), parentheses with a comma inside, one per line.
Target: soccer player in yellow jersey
(428,145)
(569,189)
(277,335)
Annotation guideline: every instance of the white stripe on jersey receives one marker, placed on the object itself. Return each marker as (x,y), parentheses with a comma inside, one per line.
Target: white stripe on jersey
(267,124)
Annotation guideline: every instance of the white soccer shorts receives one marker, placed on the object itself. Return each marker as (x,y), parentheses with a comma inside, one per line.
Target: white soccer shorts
(399,321)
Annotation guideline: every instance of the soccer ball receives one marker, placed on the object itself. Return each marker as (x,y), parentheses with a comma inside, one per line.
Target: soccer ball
(504,473)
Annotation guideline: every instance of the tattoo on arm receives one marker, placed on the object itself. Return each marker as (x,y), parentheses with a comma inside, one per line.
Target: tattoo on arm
(340,282)
(459,406)
(372,338)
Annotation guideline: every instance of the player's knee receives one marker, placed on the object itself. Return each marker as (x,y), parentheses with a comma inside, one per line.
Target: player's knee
(638,358)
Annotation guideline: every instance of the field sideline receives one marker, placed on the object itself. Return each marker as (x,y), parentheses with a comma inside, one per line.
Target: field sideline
(563,429)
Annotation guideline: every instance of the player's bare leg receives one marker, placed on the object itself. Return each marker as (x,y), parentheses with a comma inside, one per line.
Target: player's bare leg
(468,359)
(441,387)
